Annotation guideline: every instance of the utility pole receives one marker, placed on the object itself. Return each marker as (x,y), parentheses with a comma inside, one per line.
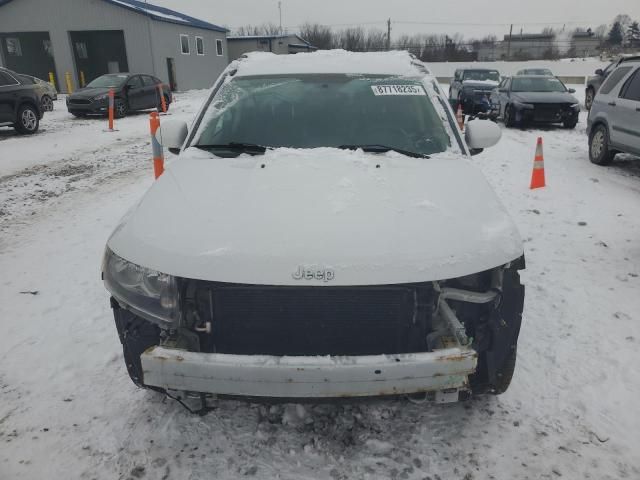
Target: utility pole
(389,34)
(509,43)
(280,10)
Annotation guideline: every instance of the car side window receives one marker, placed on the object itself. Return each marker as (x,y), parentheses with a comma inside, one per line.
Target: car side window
(148,81)
(631,88)
(6,80)
(135,82)
(614,79)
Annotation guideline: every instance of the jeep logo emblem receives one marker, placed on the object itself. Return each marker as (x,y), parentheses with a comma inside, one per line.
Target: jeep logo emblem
(322,274)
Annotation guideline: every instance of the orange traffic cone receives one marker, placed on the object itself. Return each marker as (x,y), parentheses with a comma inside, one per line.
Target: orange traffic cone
(460,116)
(537,178)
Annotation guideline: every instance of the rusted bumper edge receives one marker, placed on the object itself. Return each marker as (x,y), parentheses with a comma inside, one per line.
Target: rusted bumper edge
(308,377)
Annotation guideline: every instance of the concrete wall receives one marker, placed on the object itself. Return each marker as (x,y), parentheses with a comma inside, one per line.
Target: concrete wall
(61,16)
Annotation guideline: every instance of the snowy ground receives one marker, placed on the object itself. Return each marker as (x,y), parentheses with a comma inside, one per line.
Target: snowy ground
(68,409)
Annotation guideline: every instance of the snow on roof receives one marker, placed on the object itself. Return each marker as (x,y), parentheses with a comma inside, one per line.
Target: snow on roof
(258,37)
(165,14)
(159,13)
(332,61)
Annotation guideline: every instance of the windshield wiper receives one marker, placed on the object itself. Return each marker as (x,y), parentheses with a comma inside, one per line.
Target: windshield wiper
(383,149)
(250,148)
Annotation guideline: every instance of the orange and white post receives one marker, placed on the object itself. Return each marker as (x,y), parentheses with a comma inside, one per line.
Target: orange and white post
(163,102)
(158,154)
(112,106)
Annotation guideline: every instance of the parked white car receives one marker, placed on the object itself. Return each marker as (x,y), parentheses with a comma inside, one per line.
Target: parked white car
(323,233)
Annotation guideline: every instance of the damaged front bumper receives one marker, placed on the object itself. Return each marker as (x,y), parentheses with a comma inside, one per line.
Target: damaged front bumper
(444,371)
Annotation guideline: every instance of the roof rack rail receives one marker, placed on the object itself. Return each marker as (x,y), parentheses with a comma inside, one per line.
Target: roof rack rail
(632,58)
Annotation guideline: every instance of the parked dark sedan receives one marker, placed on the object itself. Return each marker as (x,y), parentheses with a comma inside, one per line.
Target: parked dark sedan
(132,92)
(20,105)
(535,99)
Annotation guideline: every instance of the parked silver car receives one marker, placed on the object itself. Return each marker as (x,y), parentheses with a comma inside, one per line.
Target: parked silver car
(613,125)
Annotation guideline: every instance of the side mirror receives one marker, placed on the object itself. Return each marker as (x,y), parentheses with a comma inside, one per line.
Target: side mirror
(481,134)
(172,134)
(599,72)
(572,90)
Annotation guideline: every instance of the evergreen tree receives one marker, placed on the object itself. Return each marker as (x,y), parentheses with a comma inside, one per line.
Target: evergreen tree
(616,34)
(633,33)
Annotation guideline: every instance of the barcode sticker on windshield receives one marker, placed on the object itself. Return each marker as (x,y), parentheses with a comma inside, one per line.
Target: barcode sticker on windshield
(380,90)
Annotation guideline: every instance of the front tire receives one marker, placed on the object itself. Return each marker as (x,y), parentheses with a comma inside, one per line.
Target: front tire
(588,98)
(28,120)
(47,103)
(120,108)
(509,117)
(505,375)
(599,149)
(570,124)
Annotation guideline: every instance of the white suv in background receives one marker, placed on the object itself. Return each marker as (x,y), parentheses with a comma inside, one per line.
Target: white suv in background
(613,125)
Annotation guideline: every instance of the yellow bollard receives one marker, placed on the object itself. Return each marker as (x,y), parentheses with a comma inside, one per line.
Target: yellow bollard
(69,82)
(82,80)
(52,80)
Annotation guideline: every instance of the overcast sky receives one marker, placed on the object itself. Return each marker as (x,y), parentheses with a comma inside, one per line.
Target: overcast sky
(492,16)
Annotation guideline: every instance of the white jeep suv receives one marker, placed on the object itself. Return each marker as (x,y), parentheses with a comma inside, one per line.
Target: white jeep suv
(321,234)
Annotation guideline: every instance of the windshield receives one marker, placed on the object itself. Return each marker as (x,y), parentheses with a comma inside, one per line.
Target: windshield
(481,75)
(108,81)
(311,111)
(540,84)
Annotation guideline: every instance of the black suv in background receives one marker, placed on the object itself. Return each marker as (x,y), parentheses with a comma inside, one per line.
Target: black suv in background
(472,88)
(132,92)
(20,105)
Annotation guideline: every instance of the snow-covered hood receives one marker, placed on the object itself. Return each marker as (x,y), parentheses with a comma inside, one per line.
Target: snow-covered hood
(480,84)
(370,219)
(544,97)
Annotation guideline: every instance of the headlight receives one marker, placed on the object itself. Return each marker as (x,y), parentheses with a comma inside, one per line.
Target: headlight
(522,106)
(101,98)
(153,295)
(575,106)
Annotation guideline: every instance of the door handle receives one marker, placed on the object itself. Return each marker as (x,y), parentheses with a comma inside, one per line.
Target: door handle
(637,109)
(612,104)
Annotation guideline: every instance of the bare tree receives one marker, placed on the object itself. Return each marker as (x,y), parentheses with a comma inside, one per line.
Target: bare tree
(257,30)
(319,36)
(375,41)
(352,39)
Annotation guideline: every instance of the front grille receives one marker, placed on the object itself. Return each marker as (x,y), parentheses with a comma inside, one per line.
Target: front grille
(545,112)
(480,94)
(269,320)
(79,101)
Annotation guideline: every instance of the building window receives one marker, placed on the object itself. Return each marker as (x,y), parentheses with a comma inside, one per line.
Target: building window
(81,49)
(184,45)
(219,49)
(13,47)
(199,45)
(48,47)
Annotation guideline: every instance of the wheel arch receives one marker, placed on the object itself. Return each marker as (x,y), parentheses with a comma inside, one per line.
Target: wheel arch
(29,101)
